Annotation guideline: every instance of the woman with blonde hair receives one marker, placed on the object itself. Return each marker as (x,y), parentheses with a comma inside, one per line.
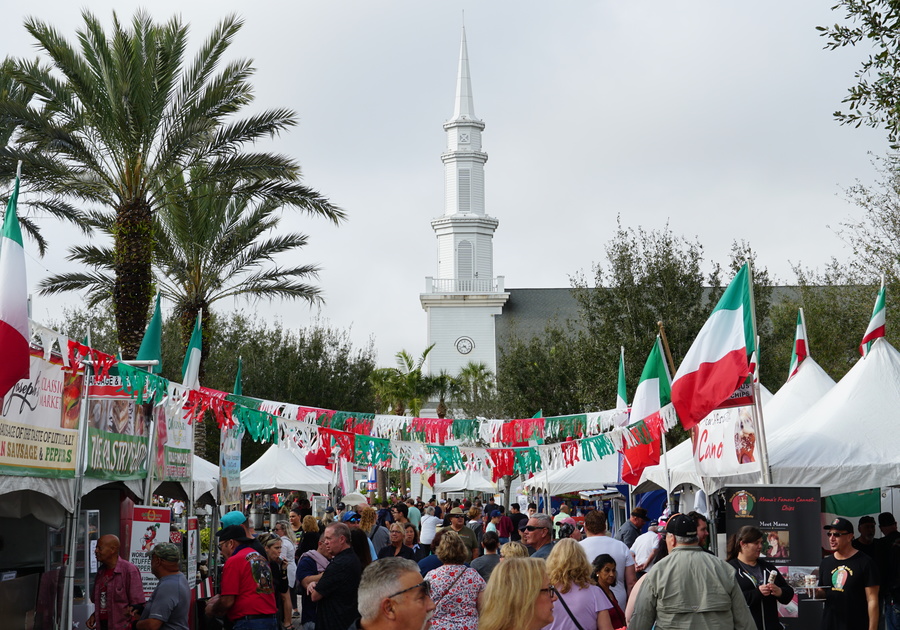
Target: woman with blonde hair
(518,596)
(455,588)
(580,604)
(310,528)
(513,549)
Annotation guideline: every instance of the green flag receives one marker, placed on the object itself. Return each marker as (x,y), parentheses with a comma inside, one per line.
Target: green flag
(238,388)
(621,394)
(151,346)
(190,369)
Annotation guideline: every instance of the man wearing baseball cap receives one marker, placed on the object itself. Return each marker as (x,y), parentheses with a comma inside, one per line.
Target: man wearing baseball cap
(631,529)
(170,603)
(247,594)
(690,588)
(848,582)
(865,542)
(458,525)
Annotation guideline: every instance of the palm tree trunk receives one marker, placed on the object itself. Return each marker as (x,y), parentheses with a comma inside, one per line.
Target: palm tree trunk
(132,292)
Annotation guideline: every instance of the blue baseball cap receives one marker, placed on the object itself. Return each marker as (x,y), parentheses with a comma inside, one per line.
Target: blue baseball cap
(235,517)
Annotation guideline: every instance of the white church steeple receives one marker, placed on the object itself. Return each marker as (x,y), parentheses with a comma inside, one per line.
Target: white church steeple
(465,232)
(462,299)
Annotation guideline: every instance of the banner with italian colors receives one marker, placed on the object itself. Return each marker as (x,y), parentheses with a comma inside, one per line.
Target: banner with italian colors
(39,421)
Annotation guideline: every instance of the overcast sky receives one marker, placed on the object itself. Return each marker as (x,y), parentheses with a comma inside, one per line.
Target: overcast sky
(715,117)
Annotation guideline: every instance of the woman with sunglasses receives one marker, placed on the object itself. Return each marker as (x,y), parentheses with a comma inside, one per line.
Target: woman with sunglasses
(273,546)
(518,596)
(580,604)
(397,547)
(763,586)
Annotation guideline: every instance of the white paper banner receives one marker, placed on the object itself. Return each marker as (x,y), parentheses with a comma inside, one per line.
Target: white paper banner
(725,443)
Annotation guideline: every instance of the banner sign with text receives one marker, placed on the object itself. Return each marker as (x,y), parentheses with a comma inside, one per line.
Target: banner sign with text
(725,443)
(790,519)
(192,554)
(117,432)
(174,447)
(149,527)
(39,421)
(230,466)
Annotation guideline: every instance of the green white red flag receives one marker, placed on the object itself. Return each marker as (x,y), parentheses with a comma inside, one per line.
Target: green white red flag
(151,344)
(13,299)
(653,392)
(876,324)
(801,345)
(190,368)
(621,393)
(718,360)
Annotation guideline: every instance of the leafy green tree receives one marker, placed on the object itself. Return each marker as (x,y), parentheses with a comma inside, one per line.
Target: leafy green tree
(873,101)
(121,114)
(539,374)
(650,276)
(837,303)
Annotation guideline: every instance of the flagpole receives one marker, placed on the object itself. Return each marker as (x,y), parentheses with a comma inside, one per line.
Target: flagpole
(72,521)
(665,451)
(765,473)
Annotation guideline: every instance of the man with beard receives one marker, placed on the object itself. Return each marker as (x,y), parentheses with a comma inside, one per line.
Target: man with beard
(393,596)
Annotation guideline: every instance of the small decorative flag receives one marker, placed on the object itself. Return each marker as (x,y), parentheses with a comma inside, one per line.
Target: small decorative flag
(876,324)
(190,369)
(801,345)
(151,345)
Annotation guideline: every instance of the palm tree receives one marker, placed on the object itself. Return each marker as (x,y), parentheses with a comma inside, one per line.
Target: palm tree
(442,386)
(122,114)
(474,384)
(210,244)
(13,92)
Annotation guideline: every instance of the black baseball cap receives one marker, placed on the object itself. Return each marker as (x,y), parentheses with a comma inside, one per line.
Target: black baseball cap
(886,519)
(233,532)
(840,524)
(867,519)
(682,525)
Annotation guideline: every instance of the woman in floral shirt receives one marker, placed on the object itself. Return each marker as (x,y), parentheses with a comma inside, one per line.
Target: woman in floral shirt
(455,588)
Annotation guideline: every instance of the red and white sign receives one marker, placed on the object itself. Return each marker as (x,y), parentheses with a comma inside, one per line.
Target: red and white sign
(150,526)
(725,443)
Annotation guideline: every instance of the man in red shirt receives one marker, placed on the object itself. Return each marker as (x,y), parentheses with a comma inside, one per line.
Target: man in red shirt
(247,596)
(118,589)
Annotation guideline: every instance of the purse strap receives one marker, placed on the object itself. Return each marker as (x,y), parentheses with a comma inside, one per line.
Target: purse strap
(450,588)
(569,612)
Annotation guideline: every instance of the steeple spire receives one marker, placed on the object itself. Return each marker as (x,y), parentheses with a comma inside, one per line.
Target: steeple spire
(465,106)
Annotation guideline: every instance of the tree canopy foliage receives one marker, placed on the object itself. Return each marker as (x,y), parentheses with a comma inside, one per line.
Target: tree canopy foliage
(875,99)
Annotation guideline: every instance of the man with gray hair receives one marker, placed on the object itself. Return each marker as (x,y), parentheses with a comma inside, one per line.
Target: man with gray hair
(539,535)
(393,596)
(170,603)
(689,588)
(335,593)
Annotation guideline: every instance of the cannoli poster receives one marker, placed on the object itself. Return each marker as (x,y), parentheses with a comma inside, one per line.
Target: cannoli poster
(789,517)
(39,421)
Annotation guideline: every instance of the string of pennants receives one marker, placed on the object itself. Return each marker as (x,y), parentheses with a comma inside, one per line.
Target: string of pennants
(381,440)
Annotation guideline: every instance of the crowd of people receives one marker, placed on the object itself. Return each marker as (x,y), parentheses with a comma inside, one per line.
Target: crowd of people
(462,566)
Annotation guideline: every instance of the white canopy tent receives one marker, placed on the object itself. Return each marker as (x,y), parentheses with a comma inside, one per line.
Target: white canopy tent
(848,441)
(583,475)
(466,480)
(281,470)
(794,398)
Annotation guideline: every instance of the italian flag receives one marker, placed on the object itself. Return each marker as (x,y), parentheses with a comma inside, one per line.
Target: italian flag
(801,345)
(13,299)
(876,324)
(717,362)
(151,344)
(190,369)
(653,392)
(621,393)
